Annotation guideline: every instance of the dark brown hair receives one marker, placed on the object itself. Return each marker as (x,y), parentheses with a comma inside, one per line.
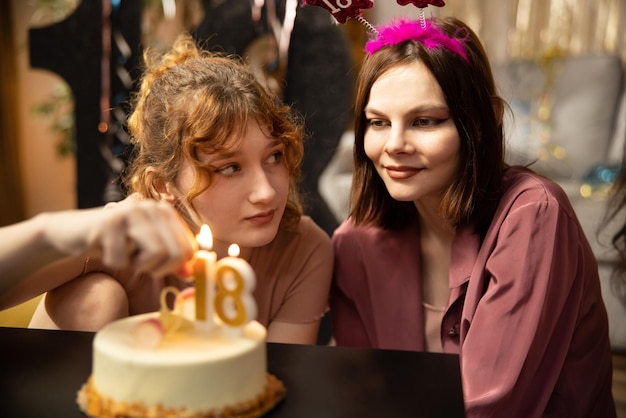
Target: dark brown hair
(615,218)
(470,93)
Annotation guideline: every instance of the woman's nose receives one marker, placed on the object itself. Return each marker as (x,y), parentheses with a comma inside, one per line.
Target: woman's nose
(262,189)
(396,142)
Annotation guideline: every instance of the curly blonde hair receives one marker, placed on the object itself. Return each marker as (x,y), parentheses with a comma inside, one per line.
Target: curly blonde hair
(193,100)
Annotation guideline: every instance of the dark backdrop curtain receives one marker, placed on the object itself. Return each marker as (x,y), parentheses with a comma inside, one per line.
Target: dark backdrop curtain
(11,197)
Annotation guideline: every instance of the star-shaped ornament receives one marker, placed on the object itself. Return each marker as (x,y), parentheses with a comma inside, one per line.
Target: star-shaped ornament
(341,10)
(422,3)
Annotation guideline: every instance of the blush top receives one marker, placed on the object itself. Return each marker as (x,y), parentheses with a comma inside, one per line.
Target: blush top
(293,275)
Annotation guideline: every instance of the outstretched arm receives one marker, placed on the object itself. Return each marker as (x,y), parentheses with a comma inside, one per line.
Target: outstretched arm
(146,235)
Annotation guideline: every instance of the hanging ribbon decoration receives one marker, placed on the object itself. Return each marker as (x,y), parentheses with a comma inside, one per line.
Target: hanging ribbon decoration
(284,38)
(112,116)
(105,68)
(269,53)
(104,126)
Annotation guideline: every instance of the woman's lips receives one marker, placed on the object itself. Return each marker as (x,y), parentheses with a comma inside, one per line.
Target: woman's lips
(262,218)
(401,172)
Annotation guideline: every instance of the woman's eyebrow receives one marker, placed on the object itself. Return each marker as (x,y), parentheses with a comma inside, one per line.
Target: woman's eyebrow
(417,109)
(273,143)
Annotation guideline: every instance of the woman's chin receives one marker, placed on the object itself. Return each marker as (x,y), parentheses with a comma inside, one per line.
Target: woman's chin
(258,237)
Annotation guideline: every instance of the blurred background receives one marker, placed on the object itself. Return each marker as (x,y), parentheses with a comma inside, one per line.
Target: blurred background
(37,120)
(68,66)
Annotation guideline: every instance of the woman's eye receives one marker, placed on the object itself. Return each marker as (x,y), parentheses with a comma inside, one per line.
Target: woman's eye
(276,157)
(377,123)
(228,170)
(428,122)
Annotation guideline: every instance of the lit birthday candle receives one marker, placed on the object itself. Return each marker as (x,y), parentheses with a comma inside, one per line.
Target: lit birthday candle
(204,277)
(235,280)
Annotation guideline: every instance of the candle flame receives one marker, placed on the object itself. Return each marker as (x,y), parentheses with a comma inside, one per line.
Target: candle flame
(205,237)
(233,250)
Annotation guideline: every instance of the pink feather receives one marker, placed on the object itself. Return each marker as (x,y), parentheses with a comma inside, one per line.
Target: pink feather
(430,36)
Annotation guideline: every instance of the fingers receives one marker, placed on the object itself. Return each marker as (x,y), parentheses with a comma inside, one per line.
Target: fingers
(167,247)
(148,236)
(113,242)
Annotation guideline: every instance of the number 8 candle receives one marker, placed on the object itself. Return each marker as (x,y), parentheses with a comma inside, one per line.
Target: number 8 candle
(235,281)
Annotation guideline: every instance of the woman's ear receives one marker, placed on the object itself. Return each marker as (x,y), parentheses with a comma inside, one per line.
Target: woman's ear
(162,190)
(166,191)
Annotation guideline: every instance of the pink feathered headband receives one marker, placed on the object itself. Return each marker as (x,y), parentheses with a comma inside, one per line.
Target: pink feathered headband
(426,33)
(398,31)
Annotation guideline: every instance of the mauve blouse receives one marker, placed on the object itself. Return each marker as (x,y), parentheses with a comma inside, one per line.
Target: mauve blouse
(525,311)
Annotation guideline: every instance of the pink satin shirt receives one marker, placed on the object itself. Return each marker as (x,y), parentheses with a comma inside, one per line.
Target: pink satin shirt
(525,311)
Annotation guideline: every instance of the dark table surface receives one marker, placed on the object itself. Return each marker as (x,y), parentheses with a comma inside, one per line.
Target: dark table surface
(41,371)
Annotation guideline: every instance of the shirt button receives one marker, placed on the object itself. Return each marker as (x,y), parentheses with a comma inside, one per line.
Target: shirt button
(453,332)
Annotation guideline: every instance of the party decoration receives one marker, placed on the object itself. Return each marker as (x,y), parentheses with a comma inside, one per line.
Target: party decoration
(149,332)
(342,10)
(422,3)
(401,30)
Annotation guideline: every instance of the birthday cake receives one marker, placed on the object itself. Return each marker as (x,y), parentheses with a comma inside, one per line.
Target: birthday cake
(190,374)
(170,364)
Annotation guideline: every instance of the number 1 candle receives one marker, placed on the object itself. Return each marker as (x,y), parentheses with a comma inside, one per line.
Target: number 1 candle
(204,277)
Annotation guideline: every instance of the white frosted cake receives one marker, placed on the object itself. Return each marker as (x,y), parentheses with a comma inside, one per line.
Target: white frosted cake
(187,372)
